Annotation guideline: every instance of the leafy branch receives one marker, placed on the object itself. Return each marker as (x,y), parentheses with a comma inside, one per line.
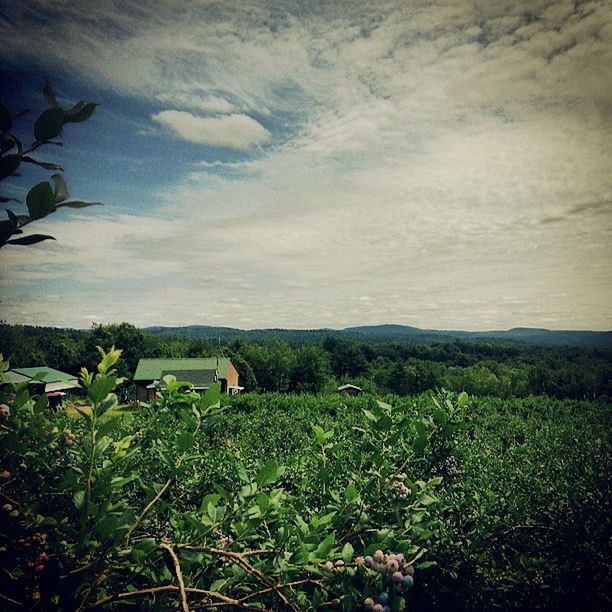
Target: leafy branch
(44,198)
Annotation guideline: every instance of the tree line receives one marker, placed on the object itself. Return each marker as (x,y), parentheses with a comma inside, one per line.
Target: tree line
(480,368)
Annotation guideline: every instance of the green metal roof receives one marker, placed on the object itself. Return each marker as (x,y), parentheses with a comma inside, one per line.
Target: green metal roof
(51,375)
(15,378)
(198,378)
(151,369)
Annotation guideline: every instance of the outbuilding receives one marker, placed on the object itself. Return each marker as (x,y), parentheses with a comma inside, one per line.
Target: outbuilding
(349,389)
(42,379)
(200,372)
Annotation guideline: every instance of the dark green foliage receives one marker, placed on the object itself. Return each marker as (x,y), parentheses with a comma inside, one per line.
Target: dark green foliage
(42,199)
(479,369)
(112,502)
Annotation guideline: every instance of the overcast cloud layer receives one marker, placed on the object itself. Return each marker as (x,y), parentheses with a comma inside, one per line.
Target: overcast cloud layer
(439,164)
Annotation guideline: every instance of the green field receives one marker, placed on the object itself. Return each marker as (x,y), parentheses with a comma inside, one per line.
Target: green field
(271,502)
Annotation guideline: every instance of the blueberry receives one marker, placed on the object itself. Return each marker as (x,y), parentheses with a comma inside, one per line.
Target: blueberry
(369,562)
(397,577)
(392,565)
(379,556)
(407,582)
(383,598)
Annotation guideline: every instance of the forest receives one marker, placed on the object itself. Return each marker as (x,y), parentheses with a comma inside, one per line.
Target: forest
(501,369)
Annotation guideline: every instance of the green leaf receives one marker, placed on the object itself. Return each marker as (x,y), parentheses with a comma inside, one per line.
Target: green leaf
(324,548)
(61,190)
(347,552)
(148,545)
(384,423)
(300,556)
(440,416)
(185,441)
(78,204)
(319,434)
(217,585)
(109,358)
(351,494)
(79,499)
(100,388)
(31,239)
(80,112)
(109,402)
(40,200)
(211,398)
(427,500)
(9,165)
(268,473)
(370,415)
(462,400)
(419,444)
(49,94)
(41,404)
(49,124)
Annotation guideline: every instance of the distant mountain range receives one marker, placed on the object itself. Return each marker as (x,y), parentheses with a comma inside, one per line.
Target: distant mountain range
(396,333)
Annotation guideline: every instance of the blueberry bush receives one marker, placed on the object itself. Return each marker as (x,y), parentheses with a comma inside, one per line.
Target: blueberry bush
(302,502)
(111,508)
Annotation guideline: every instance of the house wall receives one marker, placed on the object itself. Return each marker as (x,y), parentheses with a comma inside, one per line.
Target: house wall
(143,394)
(232,376)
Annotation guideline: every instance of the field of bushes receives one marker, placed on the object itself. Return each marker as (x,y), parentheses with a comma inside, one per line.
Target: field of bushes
(270,502)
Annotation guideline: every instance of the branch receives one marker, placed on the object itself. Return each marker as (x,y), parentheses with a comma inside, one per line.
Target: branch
(12,601)
(179,575)
(170,588)
(145,511)
(286,585)
(241,560)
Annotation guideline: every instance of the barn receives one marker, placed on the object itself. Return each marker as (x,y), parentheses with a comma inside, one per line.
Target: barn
(41,379)
(200,372)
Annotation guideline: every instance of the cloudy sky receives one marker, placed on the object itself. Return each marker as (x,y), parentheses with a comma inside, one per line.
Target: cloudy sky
(437,163)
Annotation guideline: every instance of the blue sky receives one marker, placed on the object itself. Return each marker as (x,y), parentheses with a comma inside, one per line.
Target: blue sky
(309,164)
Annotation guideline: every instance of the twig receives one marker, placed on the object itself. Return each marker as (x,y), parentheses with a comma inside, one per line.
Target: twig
(400,469)
(170,588)
(517,527)
(13,601)
(145,511)
(286,585)
(239,559)
(227,553)
(179,575)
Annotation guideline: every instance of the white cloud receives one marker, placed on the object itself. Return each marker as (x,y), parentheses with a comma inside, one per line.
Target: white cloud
(427,148)
(232,131)
(198,101)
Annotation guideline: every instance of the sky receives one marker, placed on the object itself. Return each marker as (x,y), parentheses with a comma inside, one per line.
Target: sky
(438,163)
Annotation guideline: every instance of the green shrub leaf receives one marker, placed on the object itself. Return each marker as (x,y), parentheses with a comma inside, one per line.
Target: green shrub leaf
(49,124)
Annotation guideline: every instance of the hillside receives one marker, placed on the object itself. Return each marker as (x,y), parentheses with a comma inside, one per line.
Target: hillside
(396,333)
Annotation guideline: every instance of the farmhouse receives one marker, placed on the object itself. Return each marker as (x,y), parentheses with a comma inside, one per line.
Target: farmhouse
(201,373)
(349,389)
(42,379)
